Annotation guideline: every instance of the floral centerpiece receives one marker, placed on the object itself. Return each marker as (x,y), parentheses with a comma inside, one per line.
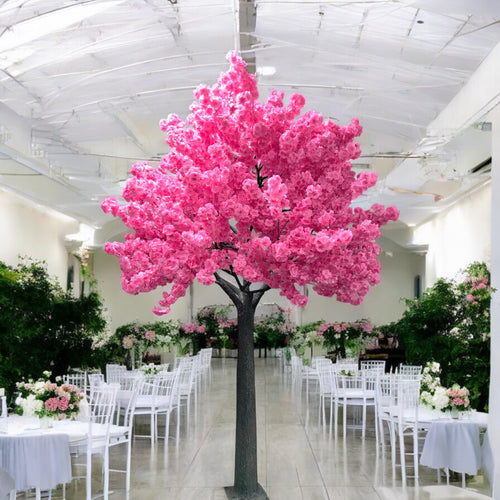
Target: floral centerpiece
(437,397)
(458,398)
(151,369)
(44,398)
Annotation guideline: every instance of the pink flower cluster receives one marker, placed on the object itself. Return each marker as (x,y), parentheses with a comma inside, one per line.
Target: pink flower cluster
(58,403)
(128,342)
(458,397)
(365,326)
(478,285)
(193,328)
(226,324)
(255,189)
(150,335)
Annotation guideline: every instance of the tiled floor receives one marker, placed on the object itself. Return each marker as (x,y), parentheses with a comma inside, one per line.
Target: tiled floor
(297,461)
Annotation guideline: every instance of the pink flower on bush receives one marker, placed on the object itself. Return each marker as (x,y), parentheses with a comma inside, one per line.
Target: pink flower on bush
(150,335)
(367,327)
(193,328)
(128,342)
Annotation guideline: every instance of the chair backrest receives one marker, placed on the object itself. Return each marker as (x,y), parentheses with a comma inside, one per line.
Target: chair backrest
(386,392)
(326,378)
(78,380)
(320,361)
(113,372)
(95,379)
(373,364)
(128,380)
(348,382)
(408,394)
(166,394)
(410,370)
(187,369)
(346,367)
(297,365)
(102,402)
(349,361)
(132,387)
(206,357)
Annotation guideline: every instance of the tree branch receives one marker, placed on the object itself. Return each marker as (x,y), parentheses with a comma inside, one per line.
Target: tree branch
(231,290)
(257,295)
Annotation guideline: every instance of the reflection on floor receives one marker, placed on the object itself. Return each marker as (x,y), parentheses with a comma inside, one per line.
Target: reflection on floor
(296,459)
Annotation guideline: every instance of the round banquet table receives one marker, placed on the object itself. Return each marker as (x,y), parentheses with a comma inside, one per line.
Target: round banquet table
(455,444)
(40,457)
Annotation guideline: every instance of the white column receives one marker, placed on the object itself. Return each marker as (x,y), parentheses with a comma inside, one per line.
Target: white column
(494,401)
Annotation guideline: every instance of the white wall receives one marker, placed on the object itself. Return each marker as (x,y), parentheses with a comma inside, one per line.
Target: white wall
(121,307)
(29,230)
(383,302)
(458,236)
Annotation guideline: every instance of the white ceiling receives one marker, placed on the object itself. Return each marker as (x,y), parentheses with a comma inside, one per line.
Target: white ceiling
(83,85)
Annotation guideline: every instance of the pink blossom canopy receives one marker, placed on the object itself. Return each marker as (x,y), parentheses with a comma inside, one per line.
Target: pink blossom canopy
(255,190)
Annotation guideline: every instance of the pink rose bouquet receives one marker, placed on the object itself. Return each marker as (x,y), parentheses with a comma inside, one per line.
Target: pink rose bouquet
(458,397)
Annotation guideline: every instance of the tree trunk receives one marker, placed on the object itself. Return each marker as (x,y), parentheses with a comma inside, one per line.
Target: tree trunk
(246,486)
(245,473)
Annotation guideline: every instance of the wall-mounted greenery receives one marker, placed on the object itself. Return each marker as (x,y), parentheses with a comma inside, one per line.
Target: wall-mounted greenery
(42,327)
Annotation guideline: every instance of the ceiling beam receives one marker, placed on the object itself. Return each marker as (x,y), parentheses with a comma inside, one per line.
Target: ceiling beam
(247,13)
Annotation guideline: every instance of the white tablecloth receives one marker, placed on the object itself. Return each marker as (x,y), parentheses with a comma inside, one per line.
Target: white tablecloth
(454,444)
(40,458)
(36,461)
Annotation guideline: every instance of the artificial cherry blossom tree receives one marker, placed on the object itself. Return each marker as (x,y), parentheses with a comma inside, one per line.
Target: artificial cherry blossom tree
(251,196)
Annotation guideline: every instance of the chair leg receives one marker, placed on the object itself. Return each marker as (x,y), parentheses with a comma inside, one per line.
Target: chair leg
(344,423)
(392,443)
(106,474)
(363,422)
(88,477)
(152,425)
(402,456)
(415,455)
(129,461)
(336,419)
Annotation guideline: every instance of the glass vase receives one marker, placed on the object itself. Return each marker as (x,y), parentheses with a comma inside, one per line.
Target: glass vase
(46,422)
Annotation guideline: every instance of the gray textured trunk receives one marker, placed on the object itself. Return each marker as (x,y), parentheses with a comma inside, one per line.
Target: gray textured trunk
(246,485)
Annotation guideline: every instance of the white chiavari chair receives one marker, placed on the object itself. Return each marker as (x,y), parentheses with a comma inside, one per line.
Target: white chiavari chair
(356,391)
(406,425)
(121,433)
(102,401)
